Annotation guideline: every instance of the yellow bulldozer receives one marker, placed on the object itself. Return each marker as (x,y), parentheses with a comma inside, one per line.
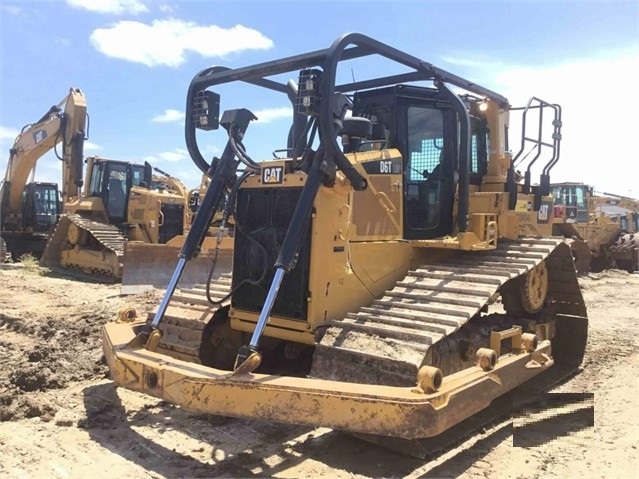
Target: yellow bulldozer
(149,264)
(367,272)
(602,230)
(126,225)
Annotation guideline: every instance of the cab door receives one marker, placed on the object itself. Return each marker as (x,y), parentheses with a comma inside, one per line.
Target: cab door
(430,167)
(111,182)
(117,187)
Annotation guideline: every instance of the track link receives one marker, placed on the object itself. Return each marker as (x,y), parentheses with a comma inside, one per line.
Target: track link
(415,322)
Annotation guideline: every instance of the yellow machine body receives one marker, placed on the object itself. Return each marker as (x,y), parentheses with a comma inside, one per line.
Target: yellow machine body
(597,236)
(29,210)
(414,295)
(96,227)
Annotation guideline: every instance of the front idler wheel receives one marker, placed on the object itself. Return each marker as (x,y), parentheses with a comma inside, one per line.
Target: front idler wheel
(526,293)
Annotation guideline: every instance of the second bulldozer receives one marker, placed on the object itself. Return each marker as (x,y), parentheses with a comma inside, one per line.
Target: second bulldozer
(119,209)
(366,276)
(598,238)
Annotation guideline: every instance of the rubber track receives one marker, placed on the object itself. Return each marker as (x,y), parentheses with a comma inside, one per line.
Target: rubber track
(109,236)
(386,342)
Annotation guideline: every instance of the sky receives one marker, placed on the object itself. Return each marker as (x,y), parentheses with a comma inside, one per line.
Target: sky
(134,60)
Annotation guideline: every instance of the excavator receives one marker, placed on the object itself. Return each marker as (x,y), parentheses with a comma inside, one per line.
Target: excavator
(597,238)
(369,260)
(29,210)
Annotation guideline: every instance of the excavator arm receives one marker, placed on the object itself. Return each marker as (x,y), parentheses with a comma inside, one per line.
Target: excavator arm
(35,140)
(170,182)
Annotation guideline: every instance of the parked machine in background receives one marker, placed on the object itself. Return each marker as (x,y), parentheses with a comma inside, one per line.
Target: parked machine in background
(602,230)
(149,264)
(117,205)
(363,271)
(29,210)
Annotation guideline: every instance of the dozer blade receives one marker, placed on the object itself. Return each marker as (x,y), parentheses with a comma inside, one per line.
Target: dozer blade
(148,266)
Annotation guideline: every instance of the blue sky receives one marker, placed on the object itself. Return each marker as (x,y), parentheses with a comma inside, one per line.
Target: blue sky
(134,59)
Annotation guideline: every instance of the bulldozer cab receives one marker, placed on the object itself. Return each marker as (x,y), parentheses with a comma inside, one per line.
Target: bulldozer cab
(571,202)
(424,127)
(112,181)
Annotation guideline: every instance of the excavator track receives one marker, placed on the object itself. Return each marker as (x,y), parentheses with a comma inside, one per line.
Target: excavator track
(101,252)
(432,316)
(625,252)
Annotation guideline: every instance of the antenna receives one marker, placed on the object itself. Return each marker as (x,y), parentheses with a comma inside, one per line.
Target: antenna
(353,76)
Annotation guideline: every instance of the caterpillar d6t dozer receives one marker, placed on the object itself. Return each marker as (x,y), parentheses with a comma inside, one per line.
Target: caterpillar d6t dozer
(121,212)
(149,264)
(366,277)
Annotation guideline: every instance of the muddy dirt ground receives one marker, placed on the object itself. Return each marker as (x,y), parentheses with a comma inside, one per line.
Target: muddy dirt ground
(61,417)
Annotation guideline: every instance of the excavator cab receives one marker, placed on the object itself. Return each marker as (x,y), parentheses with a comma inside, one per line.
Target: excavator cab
(41,206)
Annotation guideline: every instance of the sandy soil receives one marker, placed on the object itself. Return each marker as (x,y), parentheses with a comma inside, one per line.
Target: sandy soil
(61,417)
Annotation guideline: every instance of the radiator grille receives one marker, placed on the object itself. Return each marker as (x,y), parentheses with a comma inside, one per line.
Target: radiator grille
(173,222)
(263,216)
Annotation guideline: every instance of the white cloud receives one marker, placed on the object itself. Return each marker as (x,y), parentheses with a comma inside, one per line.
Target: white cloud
(169,116)
(165,42)
(178,154)
(12,9)
(8,133)
(268,115)
(90,146)
(116,7)
(165,8)
(599,113)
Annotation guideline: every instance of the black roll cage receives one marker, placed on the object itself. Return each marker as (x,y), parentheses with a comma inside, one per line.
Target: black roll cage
(347,47)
